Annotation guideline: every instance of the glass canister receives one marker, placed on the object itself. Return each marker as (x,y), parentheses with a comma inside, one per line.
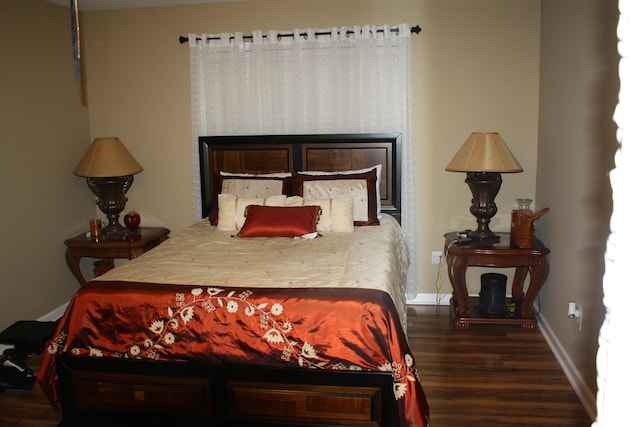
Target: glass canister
(524,204)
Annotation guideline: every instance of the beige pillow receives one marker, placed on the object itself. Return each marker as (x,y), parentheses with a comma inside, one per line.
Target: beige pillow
(252,188)
(336,215)
(355,189)
(378,169)
(231,209)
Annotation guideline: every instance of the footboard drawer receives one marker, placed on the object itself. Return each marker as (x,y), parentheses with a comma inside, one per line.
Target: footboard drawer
(141,393)
(306,404)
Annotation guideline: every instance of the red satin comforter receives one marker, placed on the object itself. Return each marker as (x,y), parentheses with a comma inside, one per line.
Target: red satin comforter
(347,329)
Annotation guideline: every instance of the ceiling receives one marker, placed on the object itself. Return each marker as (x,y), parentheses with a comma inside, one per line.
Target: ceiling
(94,5)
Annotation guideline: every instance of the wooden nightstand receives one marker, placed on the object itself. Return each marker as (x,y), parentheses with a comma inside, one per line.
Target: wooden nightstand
(125,244)
(532,261)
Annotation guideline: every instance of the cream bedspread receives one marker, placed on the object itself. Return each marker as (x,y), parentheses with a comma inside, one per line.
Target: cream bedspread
(374,257)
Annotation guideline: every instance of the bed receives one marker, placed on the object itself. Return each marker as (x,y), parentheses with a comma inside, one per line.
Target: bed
(284,305)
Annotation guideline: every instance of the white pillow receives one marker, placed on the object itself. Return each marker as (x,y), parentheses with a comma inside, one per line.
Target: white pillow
(336,215)
(378,169)
(231,209)
(252,188)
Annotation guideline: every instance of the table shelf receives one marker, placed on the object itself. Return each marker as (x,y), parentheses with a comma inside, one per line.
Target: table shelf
(527,261)
(475,317)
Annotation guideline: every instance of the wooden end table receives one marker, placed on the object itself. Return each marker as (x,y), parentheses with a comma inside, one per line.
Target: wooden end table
(120,244)
(465,309)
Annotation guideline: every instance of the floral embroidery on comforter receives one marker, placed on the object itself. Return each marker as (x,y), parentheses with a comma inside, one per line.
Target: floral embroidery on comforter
(323,329)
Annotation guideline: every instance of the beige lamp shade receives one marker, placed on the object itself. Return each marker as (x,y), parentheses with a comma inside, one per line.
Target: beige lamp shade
(107,157)
(484,152)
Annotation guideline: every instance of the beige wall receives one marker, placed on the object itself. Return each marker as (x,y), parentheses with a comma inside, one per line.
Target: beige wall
(475,68)
(578,94)
(44,130)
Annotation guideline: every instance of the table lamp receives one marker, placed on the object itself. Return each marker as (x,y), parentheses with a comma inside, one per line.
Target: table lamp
(484,156)
(109,169)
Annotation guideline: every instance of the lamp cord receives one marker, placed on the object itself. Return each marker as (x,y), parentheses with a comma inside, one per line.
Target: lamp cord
(439,282)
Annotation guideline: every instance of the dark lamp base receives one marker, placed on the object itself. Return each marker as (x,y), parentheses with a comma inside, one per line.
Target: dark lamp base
(484,188)
(111,199)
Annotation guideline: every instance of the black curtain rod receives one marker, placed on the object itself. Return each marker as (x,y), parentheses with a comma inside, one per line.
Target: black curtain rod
(182,39)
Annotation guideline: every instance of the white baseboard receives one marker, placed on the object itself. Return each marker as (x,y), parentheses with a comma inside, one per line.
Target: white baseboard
(584,393)
(430,299)
(54,314)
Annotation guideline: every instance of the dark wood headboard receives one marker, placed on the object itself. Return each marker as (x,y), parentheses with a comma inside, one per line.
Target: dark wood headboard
(294,153)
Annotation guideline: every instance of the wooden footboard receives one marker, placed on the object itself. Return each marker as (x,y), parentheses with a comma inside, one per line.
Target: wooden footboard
(119,392)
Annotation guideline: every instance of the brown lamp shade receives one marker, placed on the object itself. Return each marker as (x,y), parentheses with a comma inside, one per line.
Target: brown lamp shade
(107,157)
(484,152)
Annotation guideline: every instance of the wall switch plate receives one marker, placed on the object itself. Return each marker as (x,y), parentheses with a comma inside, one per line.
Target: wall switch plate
(436,257)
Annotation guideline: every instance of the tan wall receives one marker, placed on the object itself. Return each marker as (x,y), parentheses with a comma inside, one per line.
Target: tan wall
(44,129)
(475,68)
(578,94)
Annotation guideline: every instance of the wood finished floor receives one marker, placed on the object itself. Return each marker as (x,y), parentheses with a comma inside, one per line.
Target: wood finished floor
(496,376)
(490,375)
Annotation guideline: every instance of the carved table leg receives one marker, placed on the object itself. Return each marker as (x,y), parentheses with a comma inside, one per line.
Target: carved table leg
(72,257)
(461,324)
(457,276)
(458,323)
(539,269)
(518,283)
(102,266)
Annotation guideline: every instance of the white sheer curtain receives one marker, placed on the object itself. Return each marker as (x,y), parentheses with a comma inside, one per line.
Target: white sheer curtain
(617,362)
(337,80)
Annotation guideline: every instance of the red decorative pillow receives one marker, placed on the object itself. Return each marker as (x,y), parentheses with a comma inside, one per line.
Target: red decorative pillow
(247,186)
(361,187)
(279,221)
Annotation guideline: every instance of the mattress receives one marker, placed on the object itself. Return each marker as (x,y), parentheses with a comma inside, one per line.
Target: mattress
(373,257)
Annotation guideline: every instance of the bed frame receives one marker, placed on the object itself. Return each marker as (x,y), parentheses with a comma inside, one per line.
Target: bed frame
(294,153)
(121,392)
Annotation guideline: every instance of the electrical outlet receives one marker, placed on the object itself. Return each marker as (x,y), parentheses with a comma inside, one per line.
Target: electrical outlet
(436,256)
(575,312)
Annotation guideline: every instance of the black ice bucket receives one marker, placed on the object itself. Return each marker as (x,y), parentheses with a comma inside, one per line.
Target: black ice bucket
(493,294)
